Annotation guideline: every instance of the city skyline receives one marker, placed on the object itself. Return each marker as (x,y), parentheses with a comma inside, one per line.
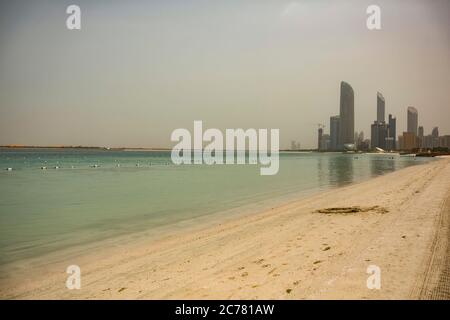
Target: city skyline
(383,135)
(135,73)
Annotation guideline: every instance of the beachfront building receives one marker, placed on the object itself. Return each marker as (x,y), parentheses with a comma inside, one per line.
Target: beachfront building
(409,141)
(319,139)
(379,133)
(325,142)
(389,143)
(346,116)
(412,117)
(334,133)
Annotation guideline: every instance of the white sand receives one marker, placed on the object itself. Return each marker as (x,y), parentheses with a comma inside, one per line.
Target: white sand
(289,252)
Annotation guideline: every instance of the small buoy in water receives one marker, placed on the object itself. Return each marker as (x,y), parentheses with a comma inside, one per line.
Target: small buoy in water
(8,169)
(43,168)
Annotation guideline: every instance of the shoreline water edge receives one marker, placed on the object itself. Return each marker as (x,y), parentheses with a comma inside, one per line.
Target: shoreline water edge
(319,246)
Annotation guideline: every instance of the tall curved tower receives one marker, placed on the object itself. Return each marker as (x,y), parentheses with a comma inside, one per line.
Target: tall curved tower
(347,115)
(412,120)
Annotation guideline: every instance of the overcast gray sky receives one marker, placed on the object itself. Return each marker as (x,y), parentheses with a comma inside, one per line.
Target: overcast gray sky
(137,70)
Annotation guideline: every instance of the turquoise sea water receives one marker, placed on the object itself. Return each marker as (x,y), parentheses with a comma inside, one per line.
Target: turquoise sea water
(98,194)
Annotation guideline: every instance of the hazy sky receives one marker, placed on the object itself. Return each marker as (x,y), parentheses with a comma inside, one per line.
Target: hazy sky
(137,70)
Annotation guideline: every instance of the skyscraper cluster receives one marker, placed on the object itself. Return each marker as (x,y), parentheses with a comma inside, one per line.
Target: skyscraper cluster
(342,126)
(383,134)
(414,137)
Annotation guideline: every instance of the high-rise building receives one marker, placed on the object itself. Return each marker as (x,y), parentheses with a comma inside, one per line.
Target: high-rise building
(444,141)
(325,142)
(420,138)
(392,132)
(427,141)
(412,120)
(381,136)
(379,133)
(409,140)
(334,133)
(420,134)
(389,143)
(435,134)
(380,107)
(319,139)
(346,115)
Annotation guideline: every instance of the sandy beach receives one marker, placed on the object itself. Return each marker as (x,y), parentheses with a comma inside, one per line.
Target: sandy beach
(398,222)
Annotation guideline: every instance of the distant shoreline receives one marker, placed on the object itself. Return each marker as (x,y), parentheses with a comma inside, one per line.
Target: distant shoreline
(116,149)
(83,147)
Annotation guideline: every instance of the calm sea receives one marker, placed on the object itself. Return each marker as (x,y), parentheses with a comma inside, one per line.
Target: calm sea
(96,194)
